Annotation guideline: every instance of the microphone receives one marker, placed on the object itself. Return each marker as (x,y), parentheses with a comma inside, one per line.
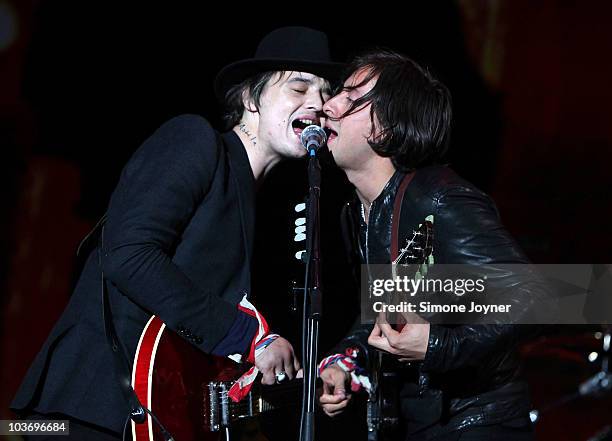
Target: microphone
(313,138)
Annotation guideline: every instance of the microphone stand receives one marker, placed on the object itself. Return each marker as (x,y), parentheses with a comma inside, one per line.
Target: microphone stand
(312,292)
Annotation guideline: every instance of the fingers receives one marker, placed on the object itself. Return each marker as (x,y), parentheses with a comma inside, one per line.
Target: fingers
(383,336)
(288,366)
(388,331)
(268,377)
(297,366)
(380,343)
(327,398)
(334,409)
(300,373)
(382,318)
(378,340)
(328,389)
(334,398)
(278,357)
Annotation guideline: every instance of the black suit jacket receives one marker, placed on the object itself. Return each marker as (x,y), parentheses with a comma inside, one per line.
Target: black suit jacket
(177,243)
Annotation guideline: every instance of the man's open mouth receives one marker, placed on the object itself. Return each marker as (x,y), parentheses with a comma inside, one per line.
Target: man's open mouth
(331,133)
(300,124)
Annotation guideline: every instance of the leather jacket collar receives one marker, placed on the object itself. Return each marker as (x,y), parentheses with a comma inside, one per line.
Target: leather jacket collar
(375,236)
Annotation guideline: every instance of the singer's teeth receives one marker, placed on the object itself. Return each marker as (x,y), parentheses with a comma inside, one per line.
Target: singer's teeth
(301,124)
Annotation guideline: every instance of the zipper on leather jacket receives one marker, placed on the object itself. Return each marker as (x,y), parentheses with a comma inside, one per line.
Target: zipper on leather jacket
(367,249)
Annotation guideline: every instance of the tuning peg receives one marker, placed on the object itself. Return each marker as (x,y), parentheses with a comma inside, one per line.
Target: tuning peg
(301,255)
(300,230)
(424,269)
(300,237)
(300,207)
(300,221)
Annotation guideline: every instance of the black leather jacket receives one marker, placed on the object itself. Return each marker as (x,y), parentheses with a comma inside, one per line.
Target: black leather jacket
(470,372)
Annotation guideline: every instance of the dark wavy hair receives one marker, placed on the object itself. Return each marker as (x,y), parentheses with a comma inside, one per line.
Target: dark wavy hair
(412,108)
(233,103)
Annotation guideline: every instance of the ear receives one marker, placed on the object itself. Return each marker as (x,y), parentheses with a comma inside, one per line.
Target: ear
(248,103)
(377,130)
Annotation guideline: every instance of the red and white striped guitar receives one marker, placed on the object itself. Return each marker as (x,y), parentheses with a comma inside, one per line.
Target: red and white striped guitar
(187,389)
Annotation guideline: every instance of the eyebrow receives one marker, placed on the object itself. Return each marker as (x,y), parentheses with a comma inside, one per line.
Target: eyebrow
(300,80)
(309,82)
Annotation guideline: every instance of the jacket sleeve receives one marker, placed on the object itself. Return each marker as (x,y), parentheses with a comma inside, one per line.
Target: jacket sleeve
(160,188)
(470,232)
(469,345)
(356,338)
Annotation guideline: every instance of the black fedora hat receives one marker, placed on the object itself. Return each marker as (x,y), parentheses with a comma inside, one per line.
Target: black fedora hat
(293,48)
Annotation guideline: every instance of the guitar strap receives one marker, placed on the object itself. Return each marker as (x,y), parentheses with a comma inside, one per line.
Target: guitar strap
(397,211)
(395,227)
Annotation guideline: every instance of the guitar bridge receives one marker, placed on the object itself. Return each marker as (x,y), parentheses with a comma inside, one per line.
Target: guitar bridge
(220,411)
(217,411)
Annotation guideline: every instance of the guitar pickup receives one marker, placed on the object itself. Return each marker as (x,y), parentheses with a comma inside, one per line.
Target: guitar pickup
(217,413)
(220,411)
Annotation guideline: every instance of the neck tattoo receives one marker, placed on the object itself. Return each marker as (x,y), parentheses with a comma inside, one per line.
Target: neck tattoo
(246,131)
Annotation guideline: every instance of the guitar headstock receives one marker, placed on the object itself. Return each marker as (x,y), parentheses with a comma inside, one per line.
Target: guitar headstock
(418,249)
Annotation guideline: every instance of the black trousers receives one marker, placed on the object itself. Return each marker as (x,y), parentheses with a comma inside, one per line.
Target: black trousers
(79,430)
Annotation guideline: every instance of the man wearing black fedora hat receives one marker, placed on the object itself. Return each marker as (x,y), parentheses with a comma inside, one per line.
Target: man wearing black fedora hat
(177,240)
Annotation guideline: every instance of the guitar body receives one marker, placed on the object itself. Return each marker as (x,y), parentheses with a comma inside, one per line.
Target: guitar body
(384,422)
(384,407)
(173,379)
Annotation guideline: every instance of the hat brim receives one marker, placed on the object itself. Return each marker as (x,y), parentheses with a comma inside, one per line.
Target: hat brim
(239,71)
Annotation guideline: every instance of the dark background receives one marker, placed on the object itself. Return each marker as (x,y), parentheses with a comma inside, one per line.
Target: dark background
(82,84)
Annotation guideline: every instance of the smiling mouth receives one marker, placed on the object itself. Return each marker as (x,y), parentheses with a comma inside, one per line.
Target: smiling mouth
(300,124)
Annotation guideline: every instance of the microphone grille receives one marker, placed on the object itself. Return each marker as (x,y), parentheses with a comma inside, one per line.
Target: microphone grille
(313,130)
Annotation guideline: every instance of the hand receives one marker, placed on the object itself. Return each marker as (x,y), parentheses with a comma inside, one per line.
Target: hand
(276,358)
(335,398)
(409,344)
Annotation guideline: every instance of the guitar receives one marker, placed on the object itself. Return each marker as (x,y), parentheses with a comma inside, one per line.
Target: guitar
(187,390)
(383,408)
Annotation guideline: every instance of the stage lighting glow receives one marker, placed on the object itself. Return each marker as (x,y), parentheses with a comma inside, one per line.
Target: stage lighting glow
(8,25)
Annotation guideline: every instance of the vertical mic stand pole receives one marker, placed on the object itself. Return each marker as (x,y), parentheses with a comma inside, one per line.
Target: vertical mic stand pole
(312,314)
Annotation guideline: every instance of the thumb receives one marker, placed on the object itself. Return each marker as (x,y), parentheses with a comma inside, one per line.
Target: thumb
(376,331)
(327,388)
(340,382)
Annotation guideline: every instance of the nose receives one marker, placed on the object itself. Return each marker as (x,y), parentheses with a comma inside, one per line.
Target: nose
(315,102)
(330,108)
